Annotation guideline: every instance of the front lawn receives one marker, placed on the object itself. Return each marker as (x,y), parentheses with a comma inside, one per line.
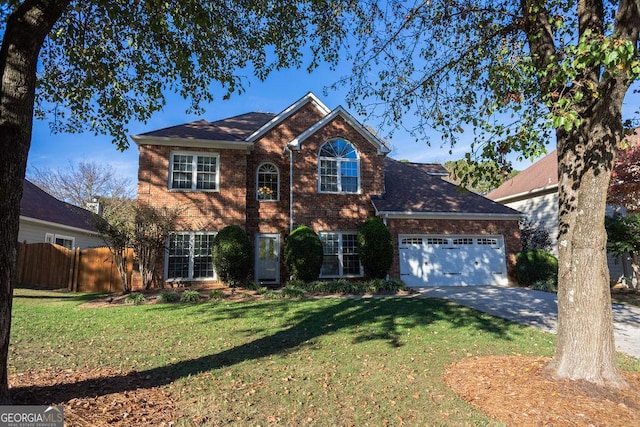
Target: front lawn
(327,362)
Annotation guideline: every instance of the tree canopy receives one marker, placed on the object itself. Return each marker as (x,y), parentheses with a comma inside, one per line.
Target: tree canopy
(514,75)
(624,189)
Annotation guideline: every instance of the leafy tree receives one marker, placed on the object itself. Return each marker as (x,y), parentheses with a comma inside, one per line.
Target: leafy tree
(625,179)
(535,265)
(107,63)
(375,248)
(231,254)
(118,235)
(478,183)
(152,227)
(624,237)
(513,74)
(303,254)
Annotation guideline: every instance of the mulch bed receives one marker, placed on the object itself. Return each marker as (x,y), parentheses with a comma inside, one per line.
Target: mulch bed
(513,390)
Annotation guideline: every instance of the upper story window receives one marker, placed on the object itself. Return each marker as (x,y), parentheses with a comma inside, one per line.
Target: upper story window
(339,167)
(189,171)
(268,182)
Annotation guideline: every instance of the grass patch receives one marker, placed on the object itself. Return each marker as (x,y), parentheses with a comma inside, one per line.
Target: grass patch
(325,362)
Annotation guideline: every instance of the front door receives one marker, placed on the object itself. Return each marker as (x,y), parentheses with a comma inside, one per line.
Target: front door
(268,258)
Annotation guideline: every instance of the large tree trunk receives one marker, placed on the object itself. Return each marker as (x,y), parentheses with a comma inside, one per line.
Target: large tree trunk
(585,347)
(24,34)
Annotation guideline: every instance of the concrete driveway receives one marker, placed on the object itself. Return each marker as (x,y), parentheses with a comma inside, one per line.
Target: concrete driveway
(536,308)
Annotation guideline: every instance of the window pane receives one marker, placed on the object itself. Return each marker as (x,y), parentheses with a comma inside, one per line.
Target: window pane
(202,263)
(182,171)
(206,173)
(267,182)
(330,260)
(330,266)
(178,260)
(328,175)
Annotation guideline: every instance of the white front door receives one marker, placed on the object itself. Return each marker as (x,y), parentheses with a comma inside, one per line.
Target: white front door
(268,258)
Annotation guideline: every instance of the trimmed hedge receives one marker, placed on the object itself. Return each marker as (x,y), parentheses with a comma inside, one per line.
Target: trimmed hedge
(231,255)
(303,254)
(375,248)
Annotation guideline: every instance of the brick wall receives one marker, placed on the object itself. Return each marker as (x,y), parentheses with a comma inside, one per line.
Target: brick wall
(199,210)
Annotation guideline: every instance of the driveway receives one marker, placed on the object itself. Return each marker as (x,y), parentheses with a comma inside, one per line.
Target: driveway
(536,308)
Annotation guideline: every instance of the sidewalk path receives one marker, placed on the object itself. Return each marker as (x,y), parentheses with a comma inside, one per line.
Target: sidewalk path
(536,308)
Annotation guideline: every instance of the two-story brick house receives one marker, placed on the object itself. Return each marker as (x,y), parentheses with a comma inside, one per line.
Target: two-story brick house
(269,173)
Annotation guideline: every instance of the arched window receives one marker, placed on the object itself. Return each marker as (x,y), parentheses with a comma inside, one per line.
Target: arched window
(268,182)
(339,167)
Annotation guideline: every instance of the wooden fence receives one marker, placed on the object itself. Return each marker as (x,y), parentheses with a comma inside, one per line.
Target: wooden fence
(53,267)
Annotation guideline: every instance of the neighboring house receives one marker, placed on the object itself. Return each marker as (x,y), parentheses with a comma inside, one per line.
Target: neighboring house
(45,219)
(309,165)
(534,192)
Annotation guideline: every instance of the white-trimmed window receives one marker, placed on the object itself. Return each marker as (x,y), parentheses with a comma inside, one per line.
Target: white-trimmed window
(66,241)
(194,171)
(338,168)
(340,255)
(189,256)
(268,182)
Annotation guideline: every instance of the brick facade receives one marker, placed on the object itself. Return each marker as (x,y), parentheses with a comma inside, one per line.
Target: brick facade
(235,202)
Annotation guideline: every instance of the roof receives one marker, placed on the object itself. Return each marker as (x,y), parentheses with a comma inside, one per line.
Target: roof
(431,168)
(410,190)
(38,204)
(236,128)
(540,176)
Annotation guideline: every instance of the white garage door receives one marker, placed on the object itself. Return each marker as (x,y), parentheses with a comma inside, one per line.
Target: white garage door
(428,260)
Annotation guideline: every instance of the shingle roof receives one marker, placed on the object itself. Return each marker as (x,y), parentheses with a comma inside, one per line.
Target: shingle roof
(236,128)
(540,175)
(38,204)
(430,168)
(409,189)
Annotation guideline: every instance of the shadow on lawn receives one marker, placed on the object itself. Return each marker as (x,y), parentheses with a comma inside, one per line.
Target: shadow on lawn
(384,319)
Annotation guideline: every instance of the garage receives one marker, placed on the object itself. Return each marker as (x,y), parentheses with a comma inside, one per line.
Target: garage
(452,260)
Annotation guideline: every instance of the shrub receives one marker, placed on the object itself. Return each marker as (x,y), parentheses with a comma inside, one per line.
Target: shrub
(190,296)
(168,296)
(135,298)
(291,291)
(231,254)
(375,248)
(303,254)
(535,265)
(545,286)
(216,294)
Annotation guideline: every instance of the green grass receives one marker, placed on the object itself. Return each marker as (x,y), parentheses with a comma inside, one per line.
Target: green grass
(324,362)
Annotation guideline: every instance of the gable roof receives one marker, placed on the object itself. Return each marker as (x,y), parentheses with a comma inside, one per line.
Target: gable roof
(542,176)
(339,112)
(411,192)
(36,204)
(287,112)
(234,129)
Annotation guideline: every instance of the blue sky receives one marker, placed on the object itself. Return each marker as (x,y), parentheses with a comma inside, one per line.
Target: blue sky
(279,91)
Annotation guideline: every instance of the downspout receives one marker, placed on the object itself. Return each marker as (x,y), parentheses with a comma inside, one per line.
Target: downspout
(290,187)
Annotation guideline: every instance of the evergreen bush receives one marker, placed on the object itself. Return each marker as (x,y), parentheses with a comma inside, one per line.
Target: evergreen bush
(231,255)
(536,265)
(375,248)
(303,254)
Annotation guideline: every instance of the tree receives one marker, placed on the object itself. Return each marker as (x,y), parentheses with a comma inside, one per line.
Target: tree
(534,236)
(118,235)
(514,74)
(625,179)
(79,183)
(624,237)
(459,169)
(106,63)
(152,227)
